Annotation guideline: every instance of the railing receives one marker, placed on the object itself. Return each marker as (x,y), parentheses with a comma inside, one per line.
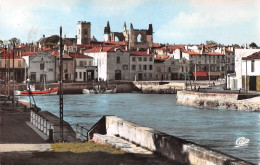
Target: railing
(42,124)
(81,133)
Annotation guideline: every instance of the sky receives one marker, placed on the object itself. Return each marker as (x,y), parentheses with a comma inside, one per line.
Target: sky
(174,21)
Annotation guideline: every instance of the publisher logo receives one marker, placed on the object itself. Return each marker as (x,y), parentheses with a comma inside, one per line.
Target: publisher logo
(242,141)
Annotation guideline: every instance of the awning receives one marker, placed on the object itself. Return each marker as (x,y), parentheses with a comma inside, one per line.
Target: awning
(200,74)
(214,73)
(185,74)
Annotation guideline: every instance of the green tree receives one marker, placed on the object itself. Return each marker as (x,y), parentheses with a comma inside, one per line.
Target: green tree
(15,40)
(51,41)
(211,42)
(253,45)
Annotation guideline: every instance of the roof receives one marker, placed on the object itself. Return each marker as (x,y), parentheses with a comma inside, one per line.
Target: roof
(28,53)
(78,55)
(213,54)
(191,52)
(161,58)
(57,55)
(140,53)
(102,49)
(254,56)
(7,55)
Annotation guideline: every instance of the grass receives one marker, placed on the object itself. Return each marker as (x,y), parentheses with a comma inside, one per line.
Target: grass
(85,147)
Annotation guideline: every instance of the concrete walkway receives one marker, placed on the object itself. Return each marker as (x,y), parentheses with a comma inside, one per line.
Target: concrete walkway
(25,147)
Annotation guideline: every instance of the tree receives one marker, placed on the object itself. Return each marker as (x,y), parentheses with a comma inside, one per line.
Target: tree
(51,41)
(253,45)
(211,42)
(15,40)
(1,42)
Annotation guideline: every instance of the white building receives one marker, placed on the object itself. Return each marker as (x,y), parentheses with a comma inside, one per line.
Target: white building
(112,62)
(41,65)
(239,54)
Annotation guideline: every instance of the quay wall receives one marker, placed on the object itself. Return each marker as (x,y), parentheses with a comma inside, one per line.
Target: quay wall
(216,100)
(161,143)
(149,87)
(74,88)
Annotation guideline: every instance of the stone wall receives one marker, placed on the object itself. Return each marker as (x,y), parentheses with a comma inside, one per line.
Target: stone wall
(216,100)
(161,143)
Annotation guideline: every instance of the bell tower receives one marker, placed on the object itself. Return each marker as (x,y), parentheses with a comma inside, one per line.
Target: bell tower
(83,32)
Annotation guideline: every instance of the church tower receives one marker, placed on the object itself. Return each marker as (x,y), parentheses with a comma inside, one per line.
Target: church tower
(107,32)
(83,32)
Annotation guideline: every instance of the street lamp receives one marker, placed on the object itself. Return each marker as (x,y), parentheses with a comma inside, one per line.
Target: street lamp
(12,44)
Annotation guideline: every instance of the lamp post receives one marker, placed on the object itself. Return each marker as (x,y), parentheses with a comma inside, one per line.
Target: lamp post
(12,44)
(61,90)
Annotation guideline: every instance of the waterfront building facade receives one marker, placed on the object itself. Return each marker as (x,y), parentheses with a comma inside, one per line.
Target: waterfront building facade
(6,66)
(83,67)
(251,72)
(112,62)
(41,67)
(141,66)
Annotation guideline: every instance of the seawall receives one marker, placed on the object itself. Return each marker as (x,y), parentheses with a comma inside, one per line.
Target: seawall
(217,100)
(172,147)
(150,87)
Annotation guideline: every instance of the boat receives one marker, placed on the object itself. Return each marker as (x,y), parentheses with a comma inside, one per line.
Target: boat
(37,92)
(31,90)
(96,91)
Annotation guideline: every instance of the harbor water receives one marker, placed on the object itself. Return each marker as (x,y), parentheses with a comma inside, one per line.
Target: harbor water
(215,129)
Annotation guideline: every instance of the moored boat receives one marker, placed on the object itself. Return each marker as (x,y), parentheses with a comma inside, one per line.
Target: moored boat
(38,92)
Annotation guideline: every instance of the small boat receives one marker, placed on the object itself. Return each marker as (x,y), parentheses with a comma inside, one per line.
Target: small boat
(37,92)
(31,90)
(95,91)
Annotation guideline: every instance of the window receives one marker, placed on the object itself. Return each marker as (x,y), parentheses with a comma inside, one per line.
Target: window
(144,67)
(41,66)
(80,75)
(125,67)
(118,60)
(151,58)
(151,67)
(145,75)
(252,65)
(76,75)
(133,58)
(89,63)
(169,69)
(50,69)
(209,56)
(133,67)
(19,63)
(140,58)
(140,67)
(145,58)
(150,75)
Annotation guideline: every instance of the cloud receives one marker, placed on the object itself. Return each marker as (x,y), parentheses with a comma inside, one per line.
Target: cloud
(204,16)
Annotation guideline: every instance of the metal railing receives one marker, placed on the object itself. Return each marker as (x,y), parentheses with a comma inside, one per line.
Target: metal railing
(81,133)
(42,124)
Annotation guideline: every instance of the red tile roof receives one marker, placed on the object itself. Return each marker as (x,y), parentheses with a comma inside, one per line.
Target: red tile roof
(213,53)
(161,58)
(191,52)
(57,55)
(28,53)
(254,56)
(78,55)
(7,55)
(104,49)
(140,53)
